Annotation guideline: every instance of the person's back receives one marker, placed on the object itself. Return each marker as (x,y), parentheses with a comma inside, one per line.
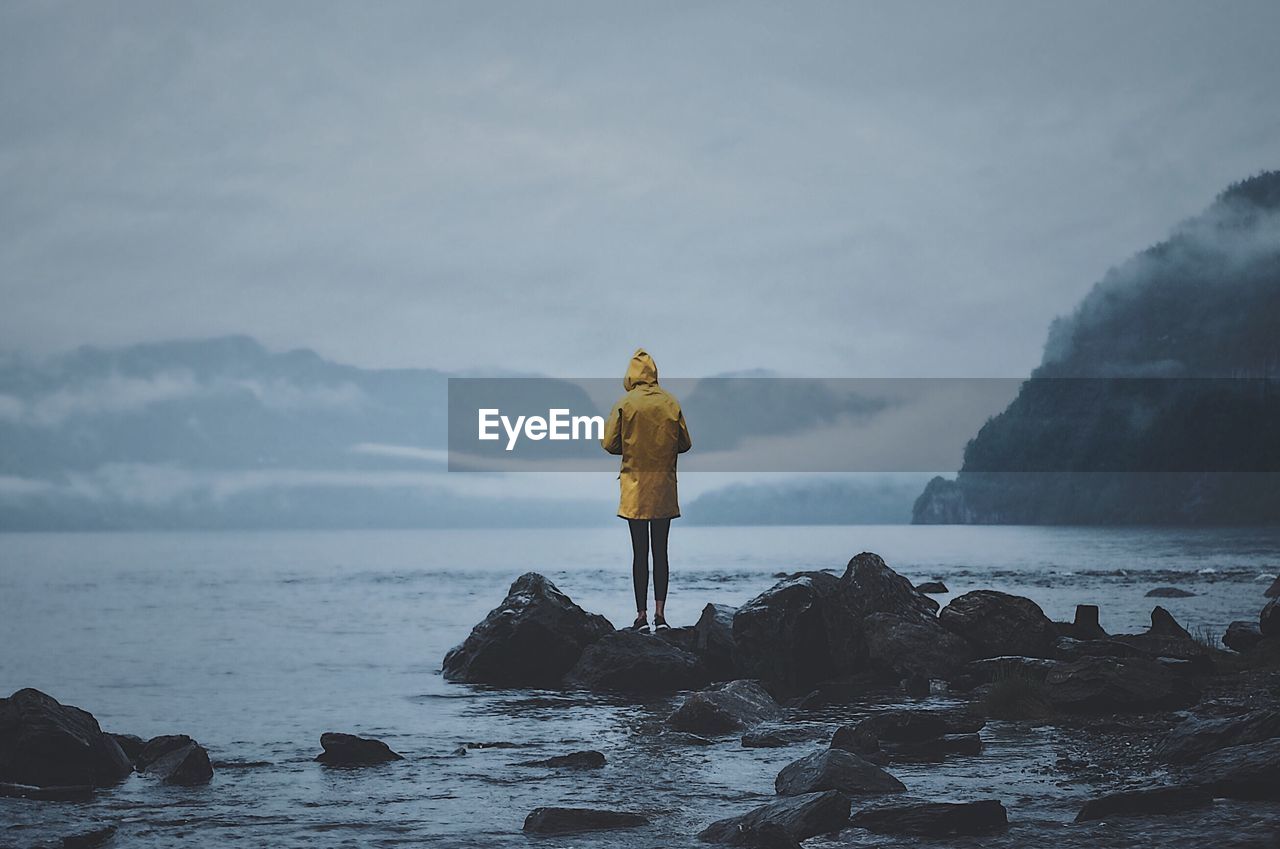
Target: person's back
(647,428)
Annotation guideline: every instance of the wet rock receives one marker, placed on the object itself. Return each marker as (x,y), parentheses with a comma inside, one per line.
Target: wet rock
(45,743)
(994,668)
(870,586)
(628,661)
(532,639)
(801,817)
(350,750)
(913,646)
(1069,648)
(1103,684)
(835,769)
(770,836)
(777,737)
(1154,800)
(1164,625)
(51,793)
(714,631)
(1248,771)
(725,709)
(933,751)
(935,819)
(89,839)
(589,759)
(861,741)
(997,623)
(917,686)
(175,759)
(1169,592)
(934,587)
(781,635)
(1274,590)
(1195,737)
(130,744)
(913,726)
(684,638)
(1242,636)
(1269,619)
(571,820)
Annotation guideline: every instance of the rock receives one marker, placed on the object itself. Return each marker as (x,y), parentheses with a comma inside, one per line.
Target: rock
(801,817)
(725,709)
(574,760)
(1086,625)
(632,662)
(917,686)
(913,726)
(1169,592)
(835,769)
(684,638)
(870,586)
(1274,590)
(933,751)
(350,750)
(1248,771)
(572,820)
(936,819)
(859,740)
(770,836)
(176,759)
(51,793)
(1269,619)
(990,669)
(715,640)
(1195,737)
(934,587)
(532,639)
(776,737)
(1242,636)
(1164,625)
(47,744)
(1069,648)
(1154,800)
(89,839)
(1104,684)
(913,647)
(130,744)
(997,623)
(781,634)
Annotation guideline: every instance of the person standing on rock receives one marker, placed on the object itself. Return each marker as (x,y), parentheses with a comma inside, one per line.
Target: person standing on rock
(647,428)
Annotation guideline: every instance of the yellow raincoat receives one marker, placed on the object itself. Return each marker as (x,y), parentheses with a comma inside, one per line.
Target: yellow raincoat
(647,428)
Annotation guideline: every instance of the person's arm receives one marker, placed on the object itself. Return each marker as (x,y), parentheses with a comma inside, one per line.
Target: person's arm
(684,442)
(612,441)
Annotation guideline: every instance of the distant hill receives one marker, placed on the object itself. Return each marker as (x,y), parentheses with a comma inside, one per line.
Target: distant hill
(1203,304)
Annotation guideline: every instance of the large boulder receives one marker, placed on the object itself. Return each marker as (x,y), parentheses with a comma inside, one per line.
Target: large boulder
(1196,737)
(175,759)
(913,726)
(532,639)
(552,820)
(350,750)
(935,819)
(1164,625)
(835,769)
(1242,635)
(997,623)
(1274,590)
(1269,619)
(801,817)
(915,645)
(725,709)
(781,635)
(1145,802)
(589,759)
(1248,771)
(629,661)
(1109,685)
(714,631)
(870,586)
(45,743)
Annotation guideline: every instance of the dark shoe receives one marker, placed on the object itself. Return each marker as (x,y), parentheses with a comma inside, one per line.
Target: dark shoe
(660,624)
(641,624)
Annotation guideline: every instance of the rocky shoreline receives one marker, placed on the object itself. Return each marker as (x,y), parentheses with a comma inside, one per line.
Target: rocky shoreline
(1202,719)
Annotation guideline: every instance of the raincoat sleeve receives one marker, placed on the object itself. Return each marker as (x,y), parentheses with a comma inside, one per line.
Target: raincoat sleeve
(684,441)
(612,440)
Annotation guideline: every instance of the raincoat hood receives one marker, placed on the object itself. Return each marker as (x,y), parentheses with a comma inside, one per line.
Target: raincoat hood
(642,371)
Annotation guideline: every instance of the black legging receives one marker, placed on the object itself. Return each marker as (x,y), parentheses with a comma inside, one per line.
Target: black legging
(642,530)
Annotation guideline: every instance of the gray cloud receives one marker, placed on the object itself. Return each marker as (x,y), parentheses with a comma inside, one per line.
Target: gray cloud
(842,189)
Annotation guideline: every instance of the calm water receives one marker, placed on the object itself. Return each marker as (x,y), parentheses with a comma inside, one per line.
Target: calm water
(256,643)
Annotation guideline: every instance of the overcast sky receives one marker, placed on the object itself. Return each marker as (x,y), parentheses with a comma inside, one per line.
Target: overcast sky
(821,189)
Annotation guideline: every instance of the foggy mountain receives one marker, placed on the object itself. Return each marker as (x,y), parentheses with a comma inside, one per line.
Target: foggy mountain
(1201,308)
